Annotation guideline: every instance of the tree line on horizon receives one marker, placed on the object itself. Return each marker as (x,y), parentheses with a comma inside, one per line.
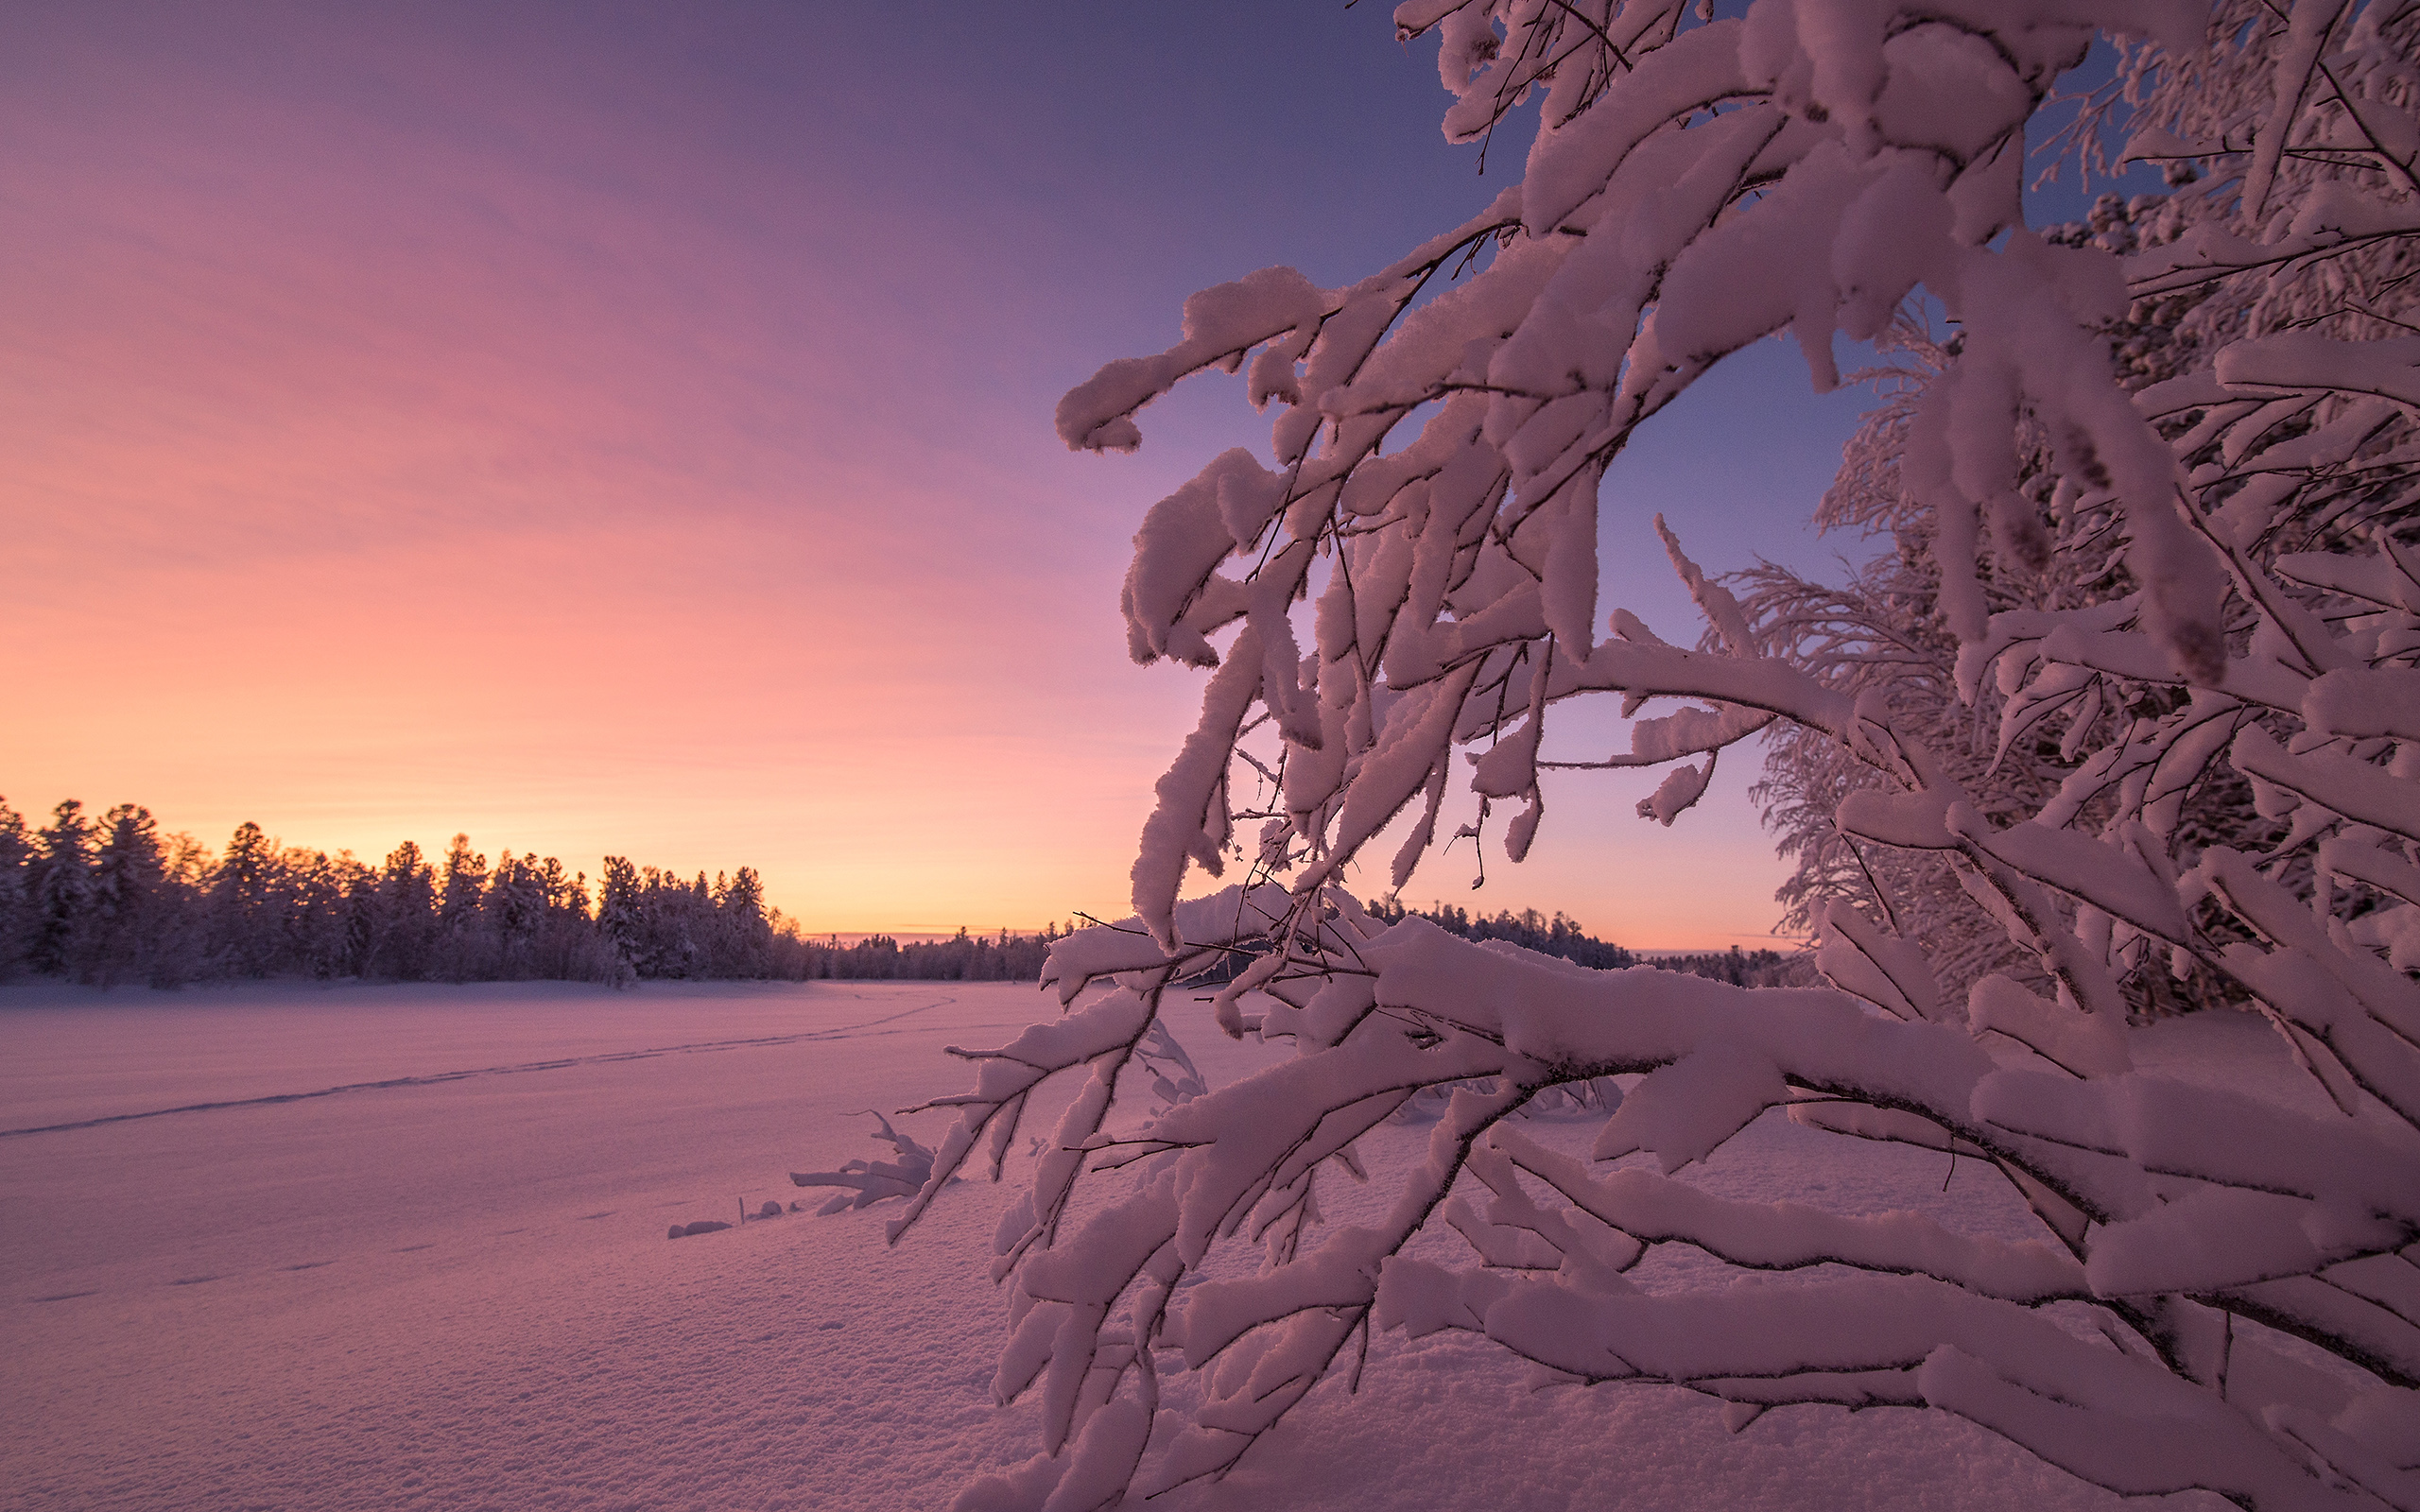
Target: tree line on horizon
(1559,935)
(111,899)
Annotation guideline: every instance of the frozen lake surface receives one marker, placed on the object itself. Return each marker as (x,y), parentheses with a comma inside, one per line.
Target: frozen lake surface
(292,1247)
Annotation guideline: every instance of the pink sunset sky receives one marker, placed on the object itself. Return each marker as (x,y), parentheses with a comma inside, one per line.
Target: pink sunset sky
(626,429)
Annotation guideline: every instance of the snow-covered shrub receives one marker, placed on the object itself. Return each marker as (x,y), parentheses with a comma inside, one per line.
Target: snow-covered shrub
(2190,559)
(872,1180)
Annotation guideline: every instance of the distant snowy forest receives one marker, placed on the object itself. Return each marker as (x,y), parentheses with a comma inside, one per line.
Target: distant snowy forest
(112,900)
(1560,937)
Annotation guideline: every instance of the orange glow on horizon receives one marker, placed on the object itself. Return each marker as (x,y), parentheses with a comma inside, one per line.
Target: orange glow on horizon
(406,436)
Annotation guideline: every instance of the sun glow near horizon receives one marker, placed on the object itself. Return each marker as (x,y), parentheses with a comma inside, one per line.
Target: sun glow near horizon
(622,438)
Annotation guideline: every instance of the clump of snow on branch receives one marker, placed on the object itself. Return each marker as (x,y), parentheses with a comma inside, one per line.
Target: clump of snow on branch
(2138,677)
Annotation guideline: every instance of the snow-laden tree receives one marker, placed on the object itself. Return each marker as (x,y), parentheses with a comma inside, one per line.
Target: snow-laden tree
(2162,486)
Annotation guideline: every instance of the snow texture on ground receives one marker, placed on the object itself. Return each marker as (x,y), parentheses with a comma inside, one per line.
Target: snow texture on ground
(293,1248)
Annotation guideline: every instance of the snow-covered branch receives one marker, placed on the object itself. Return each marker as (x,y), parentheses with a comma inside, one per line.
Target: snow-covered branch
(2120,725)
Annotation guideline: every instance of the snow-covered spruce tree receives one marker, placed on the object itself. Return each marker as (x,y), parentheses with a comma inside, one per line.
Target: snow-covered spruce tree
(2246,602)
(1883,630)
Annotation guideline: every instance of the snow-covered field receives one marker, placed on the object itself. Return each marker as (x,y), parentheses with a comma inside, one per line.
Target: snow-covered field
(289,1247)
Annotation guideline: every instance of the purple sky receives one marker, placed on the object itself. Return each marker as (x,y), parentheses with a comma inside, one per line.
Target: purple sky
(627,429)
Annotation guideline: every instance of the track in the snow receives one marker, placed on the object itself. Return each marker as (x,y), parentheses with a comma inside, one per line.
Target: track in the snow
(435,1078)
